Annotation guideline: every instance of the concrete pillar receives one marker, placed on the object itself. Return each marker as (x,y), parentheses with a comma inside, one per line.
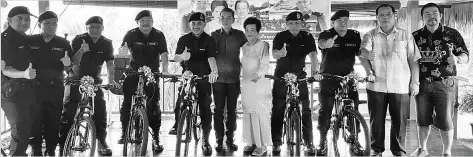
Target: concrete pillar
(411,25)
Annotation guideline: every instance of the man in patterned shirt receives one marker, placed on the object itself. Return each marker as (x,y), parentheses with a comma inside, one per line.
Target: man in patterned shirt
(441,48)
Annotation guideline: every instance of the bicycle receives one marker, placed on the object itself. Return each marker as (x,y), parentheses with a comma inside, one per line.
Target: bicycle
(293,114)
(82,136)
(136,133)
(189,119)
(345,118)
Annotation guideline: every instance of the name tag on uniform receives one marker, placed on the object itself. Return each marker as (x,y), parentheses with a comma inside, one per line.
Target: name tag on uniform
(302,45)
(99,52)
(353,45)
(20,47)
(336,45)
(57,49)
(152,43)
(139,43)
(35,47)
(202,49)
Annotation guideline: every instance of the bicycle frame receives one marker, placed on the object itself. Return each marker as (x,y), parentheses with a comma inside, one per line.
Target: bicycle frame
(139,96)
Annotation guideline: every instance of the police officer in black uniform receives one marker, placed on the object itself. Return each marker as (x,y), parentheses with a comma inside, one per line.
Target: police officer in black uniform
(90,51)
(339,47)
(147,45)
(50,59)
(291,48)
(18,76)
(196,52)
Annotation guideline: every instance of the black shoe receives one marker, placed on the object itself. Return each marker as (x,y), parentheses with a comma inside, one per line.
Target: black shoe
(206,148)
(357,149)
(104,149)
(232,146)
(173,131)
(36,150)
(249,149)
(219,146)
(156,147)
(322,148)
(374,153)
(277,147)
(121,140)
(50,152)
(310,149)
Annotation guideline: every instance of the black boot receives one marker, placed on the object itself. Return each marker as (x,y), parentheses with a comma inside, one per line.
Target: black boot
(231,145)
(157,148)
(355,146)
(219,146)
(50,152)
(206,148)
(104,149)
(322,148)
(122,138)
(36,150)
(173,130)
(310,148)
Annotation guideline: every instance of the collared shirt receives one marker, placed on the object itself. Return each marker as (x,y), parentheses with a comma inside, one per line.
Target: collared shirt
(92,60)
(435,49)
(228,54)
(47,56)
(145,50)
(340,58)
(16,51)
(393,52)
(201,49)
(297,47)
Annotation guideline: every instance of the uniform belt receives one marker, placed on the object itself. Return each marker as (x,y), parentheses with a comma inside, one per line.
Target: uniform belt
(22,84)
(49,82)
(432,79)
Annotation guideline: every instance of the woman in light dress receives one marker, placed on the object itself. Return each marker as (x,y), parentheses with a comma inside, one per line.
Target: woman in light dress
(255,90)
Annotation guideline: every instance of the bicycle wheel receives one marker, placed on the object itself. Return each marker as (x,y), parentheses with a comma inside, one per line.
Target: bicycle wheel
(197,128)
(356,130)
(136,135)
(81,139)
(182,128)
(298,131)
(290,135)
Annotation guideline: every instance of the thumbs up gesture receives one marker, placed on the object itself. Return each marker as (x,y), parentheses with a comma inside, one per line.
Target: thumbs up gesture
(84,47)
(66,61)
(329,43)
(186,55)
(30,73)
(281,53)
(124,49)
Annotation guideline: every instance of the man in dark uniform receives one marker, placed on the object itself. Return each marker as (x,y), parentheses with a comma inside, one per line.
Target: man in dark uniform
(18,94)
(311,17)
(147,46)
(291,48)
(339,47)
(90,51)
(197,51)
(197,6)
(50,58)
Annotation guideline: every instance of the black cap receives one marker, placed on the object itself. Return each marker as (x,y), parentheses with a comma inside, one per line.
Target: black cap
(294,16)
(340,13)
(143,13)
(198,16)
(46,15)
(19,10)
(94,19)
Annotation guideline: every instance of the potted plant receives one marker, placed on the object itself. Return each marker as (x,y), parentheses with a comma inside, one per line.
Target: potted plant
(466,102)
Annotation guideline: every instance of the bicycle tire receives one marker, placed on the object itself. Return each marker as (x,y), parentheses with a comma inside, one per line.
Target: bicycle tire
(197,128)
(180,127)
(298,131)
(74,133)
(134,135)
(290,135)
(355,114)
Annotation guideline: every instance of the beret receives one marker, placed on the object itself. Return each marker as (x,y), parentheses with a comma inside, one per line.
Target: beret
(46,15)
(340,13)
(19,10)
(197,16)
(294,16)
(143,13)
(94,19)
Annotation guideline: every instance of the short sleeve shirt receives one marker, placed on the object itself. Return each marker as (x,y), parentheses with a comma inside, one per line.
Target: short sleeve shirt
(92,60)
(228,54)
(145,50)
(436,48)
(298,47)
(47,56)
(340,58)
(201,49)
(16,51)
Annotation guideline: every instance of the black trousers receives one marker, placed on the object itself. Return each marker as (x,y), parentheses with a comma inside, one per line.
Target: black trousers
(48,108)
(328,87)
(99,117)
(378,105)
(225,94)
(152,107)
(204,91)
(279,107)
(16,102)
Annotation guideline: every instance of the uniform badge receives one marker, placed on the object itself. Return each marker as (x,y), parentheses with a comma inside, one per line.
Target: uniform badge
(99,52)
(298,16)
(57,49)
(201,16)
(20,47)
(152,43)
(35,47)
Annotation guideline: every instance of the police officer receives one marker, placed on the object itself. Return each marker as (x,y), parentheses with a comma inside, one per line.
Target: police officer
(147,45)
(50,59)
(339,47)
(291,48)
(90,51)
(197,51)
(18,93)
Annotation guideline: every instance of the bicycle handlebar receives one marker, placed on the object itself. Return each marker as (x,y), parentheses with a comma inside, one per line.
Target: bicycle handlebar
(307,79)
(338,77)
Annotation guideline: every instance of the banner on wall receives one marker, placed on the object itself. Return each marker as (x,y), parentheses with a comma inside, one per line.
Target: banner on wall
(272,14)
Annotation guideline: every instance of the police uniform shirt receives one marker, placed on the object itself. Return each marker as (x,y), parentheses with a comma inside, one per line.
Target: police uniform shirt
(145,50)
(200,49)
(435,49)
(47,56)
(92,60)
(340,59)
(297,47)
(15,51)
